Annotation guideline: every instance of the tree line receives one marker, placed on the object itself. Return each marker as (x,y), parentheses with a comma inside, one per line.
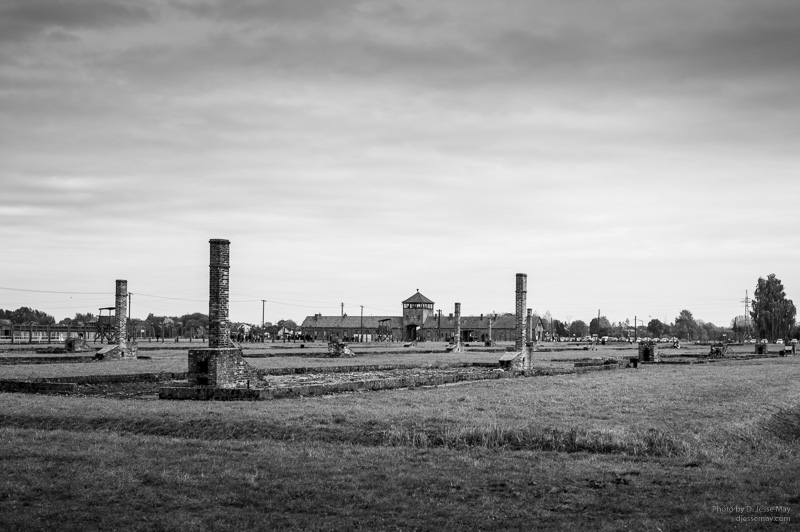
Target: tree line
(685,326)
(772,316)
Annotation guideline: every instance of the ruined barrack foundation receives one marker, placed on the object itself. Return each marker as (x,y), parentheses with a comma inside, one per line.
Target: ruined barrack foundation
(220,371)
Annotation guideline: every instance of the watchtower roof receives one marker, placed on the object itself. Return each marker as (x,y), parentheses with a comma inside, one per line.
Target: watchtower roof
(418,298)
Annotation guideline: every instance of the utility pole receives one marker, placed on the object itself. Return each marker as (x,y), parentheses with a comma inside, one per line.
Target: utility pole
(262,319)
(362,322)
(343,309)
(746,314)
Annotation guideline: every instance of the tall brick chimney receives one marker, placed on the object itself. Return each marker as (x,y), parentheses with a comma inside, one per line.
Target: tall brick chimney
(457,339)
(219,327)
(520,360)
(220,364)
(522,294)
(121,314)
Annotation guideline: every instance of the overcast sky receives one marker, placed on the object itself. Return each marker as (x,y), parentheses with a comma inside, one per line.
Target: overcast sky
(637,157)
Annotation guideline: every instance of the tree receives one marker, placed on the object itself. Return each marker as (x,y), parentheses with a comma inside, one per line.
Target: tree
(740,327)
(83,319)
(773,315)
(559,328)
(26,316)
(578,328)
(605,326)
(685,326)
(289,324)
(195,324)
(623,328)
(271,329)
(656,328)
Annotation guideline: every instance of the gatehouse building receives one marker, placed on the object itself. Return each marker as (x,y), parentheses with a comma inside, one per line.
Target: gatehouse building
(419,321)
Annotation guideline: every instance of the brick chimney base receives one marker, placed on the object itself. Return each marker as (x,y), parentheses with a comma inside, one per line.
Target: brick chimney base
(221,367)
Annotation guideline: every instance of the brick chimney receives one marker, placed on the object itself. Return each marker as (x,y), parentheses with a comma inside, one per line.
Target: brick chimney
(457,338)
(521,303)
(219,327)
(121,314)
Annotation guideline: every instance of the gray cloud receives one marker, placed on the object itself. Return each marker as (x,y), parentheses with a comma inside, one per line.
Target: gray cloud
(29,18)
(599,131)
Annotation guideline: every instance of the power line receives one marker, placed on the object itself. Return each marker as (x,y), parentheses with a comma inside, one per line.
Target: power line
(54,291)
(173,298)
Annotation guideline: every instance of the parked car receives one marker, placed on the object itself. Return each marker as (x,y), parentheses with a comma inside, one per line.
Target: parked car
(779,341)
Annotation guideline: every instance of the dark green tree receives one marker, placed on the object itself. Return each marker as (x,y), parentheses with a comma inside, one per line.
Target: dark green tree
(773,315)
(26,316)
(559,328)
(289,324)
(195,324)
(685,325)
(656,328)
(605,326)
(578,328)
(83,319)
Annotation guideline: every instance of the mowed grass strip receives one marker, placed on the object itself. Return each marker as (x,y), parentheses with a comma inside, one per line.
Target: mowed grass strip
(659,410)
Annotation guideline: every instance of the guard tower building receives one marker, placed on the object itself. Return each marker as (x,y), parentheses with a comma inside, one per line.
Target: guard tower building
(416,310)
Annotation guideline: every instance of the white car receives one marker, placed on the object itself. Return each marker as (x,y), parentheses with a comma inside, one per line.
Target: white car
(779,341)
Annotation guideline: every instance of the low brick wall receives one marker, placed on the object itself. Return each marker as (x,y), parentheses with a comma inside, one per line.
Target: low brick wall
(208,393)
(602,367)
(365,367)
(37,387)
(110,379)
(68,359)
(601,362)
(255,394)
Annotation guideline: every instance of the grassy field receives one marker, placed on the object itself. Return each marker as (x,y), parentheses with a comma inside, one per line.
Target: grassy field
(669,447)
